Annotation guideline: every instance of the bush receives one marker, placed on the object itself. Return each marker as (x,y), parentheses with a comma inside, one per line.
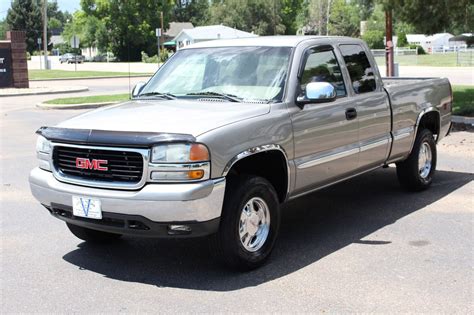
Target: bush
(164,55)
(420,50)
(28,56)
(374,39)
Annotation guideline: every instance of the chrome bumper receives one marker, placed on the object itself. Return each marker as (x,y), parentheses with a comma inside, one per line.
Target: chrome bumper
(198,202)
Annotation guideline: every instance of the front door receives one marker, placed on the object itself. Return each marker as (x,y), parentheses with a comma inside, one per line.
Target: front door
(325,134)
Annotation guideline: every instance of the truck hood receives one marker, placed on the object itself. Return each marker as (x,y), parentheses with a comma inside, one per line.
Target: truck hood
(191,117)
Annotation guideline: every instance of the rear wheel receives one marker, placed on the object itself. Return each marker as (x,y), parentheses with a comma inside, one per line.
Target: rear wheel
(249,223)
(90,235)
(417,171)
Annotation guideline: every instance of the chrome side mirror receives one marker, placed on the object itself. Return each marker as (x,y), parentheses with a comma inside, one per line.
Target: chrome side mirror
(318,92)
(138,88)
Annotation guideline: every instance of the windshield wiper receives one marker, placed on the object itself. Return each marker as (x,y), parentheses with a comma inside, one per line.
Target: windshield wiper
(159,94)
(229,97)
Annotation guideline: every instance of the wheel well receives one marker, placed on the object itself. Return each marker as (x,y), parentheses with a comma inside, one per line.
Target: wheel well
(430,121)
(271,165)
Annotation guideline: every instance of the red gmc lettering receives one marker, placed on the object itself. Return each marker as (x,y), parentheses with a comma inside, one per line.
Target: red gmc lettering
(97,165)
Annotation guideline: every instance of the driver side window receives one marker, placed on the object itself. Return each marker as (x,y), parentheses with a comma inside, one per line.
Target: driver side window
(322,66)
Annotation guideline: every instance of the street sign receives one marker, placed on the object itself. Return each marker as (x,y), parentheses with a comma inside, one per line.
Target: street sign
(75,41)
(158,32)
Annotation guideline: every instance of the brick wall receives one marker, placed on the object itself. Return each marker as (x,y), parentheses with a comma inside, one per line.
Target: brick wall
(19,62)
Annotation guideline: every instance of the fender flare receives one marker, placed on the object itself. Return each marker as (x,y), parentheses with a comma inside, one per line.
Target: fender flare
(257,150)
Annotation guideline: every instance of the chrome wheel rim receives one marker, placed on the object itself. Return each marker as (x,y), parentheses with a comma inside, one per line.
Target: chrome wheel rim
(254,224)
(424,160)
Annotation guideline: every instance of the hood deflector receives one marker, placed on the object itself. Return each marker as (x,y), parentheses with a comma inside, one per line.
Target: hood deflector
(111,138)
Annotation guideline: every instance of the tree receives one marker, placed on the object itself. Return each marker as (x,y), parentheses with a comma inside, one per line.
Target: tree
(263,17)
(374,39)
(3,29)
(402,39)
(344,19)
(25,15)
(433,16)
(129,26)
(194,11)
(90,30)
(289,12)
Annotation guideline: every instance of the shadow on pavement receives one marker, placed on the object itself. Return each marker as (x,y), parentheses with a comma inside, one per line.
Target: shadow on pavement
(312,227)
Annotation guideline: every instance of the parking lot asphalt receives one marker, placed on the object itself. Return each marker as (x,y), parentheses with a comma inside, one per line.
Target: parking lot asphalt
(360,246)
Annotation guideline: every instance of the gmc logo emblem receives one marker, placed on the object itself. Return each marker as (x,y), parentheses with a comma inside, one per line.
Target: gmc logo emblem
(87,164)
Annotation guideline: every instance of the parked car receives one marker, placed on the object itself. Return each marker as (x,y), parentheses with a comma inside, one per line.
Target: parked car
(227,131)
(72,58)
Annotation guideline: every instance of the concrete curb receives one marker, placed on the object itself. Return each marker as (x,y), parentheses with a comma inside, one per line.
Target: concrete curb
(462,120)
(461,123)
(27,93)
(92,78)
(74,106)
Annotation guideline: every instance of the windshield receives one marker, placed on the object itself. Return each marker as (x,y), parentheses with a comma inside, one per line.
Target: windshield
(245,73)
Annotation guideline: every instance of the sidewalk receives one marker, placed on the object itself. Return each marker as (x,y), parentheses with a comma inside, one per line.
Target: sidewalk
(125,67)
(42,90)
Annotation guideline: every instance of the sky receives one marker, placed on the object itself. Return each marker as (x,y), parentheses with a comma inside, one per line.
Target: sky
(64,5)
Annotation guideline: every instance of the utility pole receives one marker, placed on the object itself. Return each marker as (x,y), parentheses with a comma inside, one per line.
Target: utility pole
(389,64)
(162,30)
(45,33)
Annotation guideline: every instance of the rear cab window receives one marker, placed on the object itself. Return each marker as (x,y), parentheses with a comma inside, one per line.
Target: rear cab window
(360,70)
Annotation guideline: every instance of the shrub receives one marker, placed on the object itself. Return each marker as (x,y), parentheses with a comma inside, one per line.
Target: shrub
(374,39)
(420,50)
(164,55)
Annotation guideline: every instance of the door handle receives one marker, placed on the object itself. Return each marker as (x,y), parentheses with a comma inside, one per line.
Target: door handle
(351,113)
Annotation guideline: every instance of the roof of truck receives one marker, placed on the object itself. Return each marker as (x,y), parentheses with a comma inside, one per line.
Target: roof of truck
(271,41)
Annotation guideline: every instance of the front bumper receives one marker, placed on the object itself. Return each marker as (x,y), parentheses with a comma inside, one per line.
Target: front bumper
(155,204)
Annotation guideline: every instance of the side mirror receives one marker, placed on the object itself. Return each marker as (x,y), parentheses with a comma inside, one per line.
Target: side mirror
(138,88)
(317,92)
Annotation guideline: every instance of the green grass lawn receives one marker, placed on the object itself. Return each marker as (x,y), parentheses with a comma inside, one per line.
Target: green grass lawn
(89,99)
(434,60)
(463,100)
(63,74)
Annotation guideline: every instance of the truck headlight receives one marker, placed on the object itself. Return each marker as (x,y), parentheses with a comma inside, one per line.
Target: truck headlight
(179,153)
(43,145)
(43,152)
(179,162)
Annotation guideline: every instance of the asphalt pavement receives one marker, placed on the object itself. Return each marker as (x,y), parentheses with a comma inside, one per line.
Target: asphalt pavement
(360,246)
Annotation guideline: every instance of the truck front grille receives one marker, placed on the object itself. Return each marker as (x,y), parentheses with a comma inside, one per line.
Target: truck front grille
(120,166)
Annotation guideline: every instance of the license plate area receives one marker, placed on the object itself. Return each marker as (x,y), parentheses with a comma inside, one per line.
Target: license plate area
(86,207)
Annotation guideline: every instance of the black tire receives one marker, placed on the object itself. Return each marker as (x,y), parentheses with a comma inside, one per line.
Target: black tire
(226,244)
(408,171)
(92,236)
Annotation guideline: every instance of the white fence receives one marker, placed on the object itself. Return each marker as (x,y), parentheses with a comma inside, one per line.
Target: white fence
(446,49)
(397,52)
(464,57)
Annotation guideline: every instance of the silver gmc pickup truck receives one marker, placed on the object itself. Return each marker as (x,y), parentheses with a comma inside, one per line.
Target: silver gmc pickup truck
(226,131)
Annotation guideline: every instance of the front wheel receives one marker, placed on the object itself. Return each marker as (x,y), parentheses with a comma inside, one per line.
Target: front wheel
(417,171)
(90,235)
(249,223)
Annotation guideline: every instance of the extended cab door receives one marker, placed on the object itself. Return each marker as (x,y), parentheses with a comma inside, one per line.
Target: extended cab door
(326,140)
(371,104)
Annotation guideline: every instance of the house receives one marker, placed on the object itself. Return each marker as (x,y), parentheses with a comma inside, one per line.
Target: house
(430,43)
(461,41)
(173,30)
(205,33)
